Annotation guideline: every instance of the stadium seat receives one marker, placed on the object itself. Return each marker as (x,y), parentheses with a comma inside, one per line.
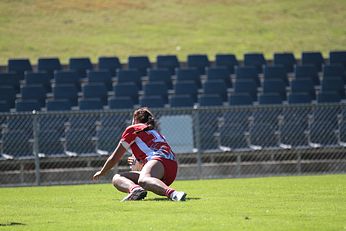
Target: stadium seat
(186,88)
(188,74)
(80,66)
(38,78)
(160,75)
(181,101)
(328,97)
(58,105)
(126,90)
(49,65)
(334,70)
(8,94)
(219,73)
(238,99)
(246,86)
(307,72)
(27,105)
(313,58)
(337,57)
(66,91)
(95,90)
(275,72)
(209,100)
(120,103)
(255,59)
(246,73)
(36,92)
(285,59)
(208,125)
(270,98)
(10,79)
(333,84)
(111,64)
(303,86)
(67,77)
(17,143)
(152,101)
(216,87)
(156,89)
(100,76)
(139,63)
(169,62)
(199,61)
(90,104)
(4,107)
(19,66)
(226,60)
(299,98)
(129,76)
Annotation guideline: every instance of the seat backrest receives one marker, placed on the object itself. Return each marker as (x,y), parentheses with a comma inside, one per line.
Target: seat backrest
(237,99)
(169,62)
(226,60)
(275,72)
(255,59)
(307,71)
(49,65)
(126,90)
(313,58)
(181,101)
(120,103)
(152,101)
(285,59)
(188,74)
(140,63)
(160,75)
(199,61)
(26,105)
(90,104)
(112,64)
(129,75)
(19,66)
(80,65)
(58,105)
(336,57)
(219,73)
(299,98)
(41,78)
(269,98)
(100,76)
(209,100)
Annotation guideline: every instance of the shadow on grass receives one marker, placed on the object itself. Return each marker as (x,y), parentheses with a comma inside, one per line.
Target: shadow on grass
(166,199)
(12,224)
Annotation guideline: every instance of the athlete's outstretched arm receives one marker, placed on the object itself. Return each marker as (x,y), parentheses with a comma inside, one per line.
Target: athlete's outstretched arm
(112,160)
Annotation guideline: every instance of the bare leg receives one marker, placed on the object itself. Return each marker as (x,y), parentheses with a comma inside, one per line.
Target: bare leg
(125,181)
(150,177)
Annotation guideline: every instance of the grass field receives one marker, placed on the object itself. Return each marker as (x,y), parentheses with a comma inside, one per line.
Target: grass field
(64,28)
(278,203)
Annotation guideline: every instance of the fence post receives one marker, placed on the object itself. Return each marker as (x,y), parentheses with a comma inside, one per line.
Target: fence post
(196,126)
(35,148)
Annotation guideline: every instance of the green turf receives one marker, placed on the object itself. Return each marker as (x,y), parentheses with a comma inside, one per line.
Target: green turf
(278,203)
(64,28)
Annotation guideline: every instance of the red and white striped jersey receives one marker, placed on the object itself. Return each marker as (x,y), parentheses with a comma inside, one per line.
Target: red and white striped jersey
(145,145)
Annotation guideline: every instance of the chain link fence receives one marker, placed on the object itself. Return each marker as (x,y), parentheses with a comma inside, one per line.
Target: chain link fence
(68,147)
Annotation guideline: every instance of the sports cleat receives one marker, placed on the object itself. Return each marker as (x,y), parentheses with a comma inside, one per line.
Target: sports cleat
(136,195)
(178,196)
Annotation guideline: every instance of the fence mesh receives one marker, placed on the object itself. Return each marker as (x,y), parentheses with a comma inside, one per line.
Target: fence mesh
(68,147)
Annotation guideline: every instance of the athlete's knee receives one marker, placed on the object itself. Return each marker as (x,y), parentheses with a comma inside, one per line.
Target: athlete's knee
(143,181)
(115,179)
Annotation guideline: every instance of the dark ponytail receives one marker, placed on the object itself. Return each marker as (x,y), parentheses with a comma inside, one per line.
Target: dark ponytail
(143,115)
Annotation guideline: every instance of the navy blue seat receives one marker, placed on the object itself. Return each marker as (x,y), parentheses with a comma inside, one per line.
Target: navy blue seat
(246,86)
(90,104)
(111,64)
(269,98)
(226,60)
(66,91)
(238,99)
(275,72)
(8,94)
(337,57)
(307,71)
(255,59)
(216,87)
(120,103)
(95,90)
(152,101)
(220,73)
(186,88)
(160,75)
(58,105)
(19,66)
(299,98)
(36,92)
(100,76)
(130,76)
(126,90)
(4,107)
(181,101)
(169,62)
(246,73)
(285,59)
(140,63)
(27,105)
(313,58)
(80,65)
(67,77)
(303,86)
(10,79)
(188,74)
(199,61)
(49,65)
(209,100)
(334,70)
(333,84)
(17,143)
(156,89)
(328,97)
(41,78)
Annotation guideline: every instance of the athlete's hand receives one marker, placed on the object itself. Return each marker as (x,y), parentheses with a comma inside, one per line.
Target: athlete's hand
(97,175)
(131,160)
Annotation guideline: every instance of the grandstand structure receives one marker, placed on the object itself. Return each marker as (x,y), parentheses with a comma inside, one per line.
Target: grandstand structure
(225,118)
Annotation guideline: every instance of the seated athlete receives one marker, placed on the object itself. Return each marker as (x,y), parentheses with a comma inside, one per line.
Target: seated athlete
(154,163)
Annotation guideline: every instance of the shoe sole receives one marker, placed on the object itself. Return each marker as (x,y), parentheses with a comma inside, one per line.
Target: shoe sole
(135,197)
